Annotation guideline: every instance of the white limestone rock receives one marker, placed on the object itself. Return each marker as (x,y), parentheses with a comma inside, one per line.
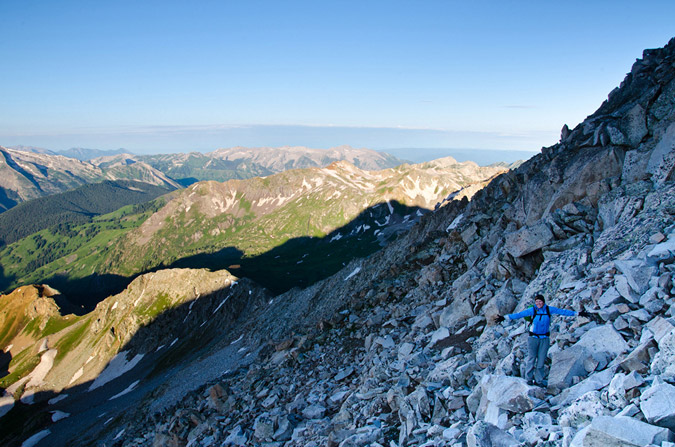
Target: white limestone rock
(621,431)
(657,404)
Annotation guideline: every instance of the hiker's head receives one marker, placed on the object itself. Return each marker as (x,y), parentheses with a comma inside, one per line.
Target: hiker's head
(539,301)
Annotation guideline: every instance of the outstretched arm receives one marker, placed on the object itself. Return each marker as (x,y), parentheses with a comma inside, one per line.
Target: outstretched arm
(563,312)
(525,313)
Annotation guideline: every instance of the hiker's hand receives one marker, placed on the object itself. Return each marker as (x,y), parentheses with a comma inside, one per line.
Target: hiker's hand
(583,313)
(499,319)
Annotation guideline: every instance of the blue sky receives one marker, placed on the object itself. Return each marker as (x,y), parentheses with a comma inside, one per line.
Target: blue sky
(164,76)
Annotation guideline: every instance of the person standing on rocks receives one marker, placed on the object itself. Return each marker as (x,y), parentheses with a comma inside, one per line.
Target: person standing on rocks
(539,341)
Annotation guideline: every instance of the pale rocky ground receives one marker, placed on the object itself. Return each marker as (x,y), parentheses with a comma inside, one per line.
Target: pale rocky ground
(401,348)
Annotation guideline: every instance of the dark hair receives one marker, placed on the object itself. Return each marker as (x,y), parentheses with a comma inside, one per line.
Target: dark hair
(539,297)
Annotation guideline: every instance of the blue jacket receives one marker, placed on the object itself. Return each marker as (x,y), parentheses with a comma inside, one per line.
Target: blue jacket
(541,322)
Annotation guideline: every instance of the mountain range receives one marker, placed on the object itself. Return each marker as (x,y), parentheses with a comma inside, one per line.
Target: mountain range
(285,230)
(29,173)
(401,347)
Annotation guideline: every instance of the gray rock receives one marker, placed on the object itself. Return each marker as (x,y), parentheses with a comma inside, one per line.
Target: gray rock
(456,313)
(482,434)
(660,327)
(236,437)
(663,251)
(528,239)
(624,289)
(507,393)
(439,338)
(603,339)
(610,297)
(315,411)
(263,428)
(567,364)
(658,404)
(637,273)
(621,431)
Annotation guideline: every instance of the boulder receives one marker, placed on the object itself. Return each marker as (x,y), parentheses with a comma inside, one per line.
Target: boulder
(637,273)
(603,339)
(567,364)
(638,360)
(456,313)
(657,404)
(482,434)
(621,431)
(662,252)
(528,239)
(611,296)
(500,394)
(660,327)
(664,360)
(502,303)
(624,289)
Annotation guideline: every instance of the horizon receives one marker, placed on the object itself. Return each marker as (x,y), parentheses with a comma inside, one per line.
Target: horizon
(170,77)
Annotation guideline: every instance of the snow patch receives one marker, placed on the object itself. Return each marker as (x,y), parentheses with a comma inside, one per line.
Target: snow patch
(127,390)
(57,399)
(455,223)
(158,348)
(117,366)
(221,304)
(6,404)
(40,371)
(356,271)
(58,415)
(173,342)
(114,305)
(139,298)
(119,435)
(37,437)
(337,237)
(426,192)
(237,340)
(391,208)
(77,375)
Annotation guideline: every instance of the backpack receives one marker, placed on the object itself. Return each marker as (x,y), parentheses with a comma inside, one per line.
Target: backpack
(548,312)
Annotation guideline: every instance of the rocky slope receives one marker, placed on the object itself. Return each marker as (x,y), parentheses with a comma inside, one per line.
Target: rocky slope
(158,318)
(29,175)
(242,163)
(400,348)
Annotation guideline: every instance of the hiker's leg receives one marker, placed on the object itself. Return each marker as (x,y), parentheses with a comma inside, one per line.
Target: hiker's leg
(532,352)
(542,351)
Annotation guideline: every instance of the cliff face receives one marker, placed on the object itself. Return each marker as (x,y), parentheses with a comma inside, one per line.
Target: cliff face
(401,348)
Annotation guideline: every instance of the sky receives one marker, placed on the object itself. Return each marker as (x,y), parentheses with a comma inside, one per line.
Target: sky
(179,76)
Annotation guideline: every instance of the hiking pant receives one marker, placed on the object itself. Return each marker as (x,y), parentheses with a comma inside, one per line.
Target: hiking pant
(537,348)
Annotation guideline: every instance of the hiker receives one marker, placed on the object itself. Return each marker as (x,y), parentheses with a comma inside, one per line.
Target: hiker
(538,342)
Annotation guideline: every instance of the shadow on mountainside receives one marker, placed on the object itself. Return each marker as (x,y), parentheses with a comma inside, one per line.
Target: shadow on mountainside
(299,262)
(173,338)
(302,261)
(5,359)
